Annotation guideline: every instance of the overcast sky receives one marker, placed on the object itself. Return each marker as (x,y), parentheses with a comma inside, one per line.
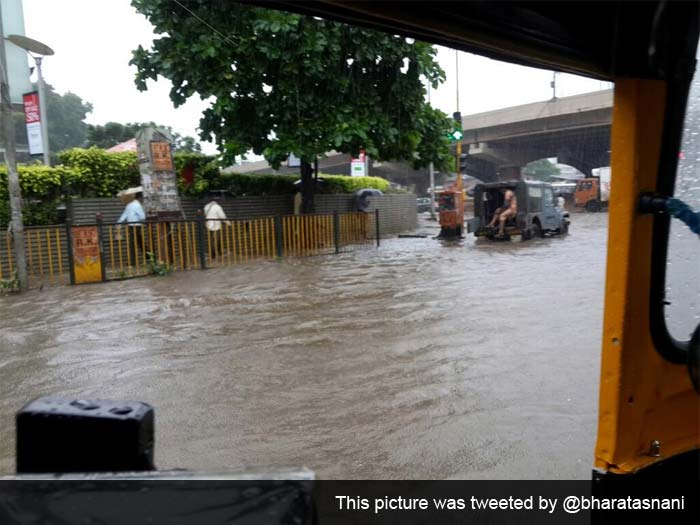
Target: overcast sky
(93,40)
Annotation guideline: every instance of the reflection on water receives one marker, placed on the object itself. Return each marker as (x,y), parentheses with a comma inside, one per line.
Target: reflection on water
(419,360)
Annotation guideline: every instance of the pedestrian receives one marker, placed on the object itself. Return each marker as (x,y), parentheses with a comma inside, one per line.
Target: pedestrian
(134,217)
(215,216)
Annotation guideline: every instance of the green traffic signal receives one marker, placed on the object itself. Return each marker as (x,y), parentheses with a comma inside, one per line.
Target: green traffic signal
(457,134)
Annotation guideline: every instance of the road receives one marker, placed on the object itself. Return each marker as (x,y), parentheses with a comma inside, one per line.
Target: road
(421,359)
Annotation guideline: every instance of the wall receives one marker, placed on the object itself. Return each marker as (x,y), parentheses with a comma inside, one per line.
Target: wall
(397,213)
(243,208)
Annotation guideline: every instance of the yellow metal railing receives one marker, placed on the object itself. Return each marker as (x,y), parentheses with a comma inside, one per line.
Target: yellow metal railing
(357,229)
(130,251)
(304,235)
(236,242)
(47,259)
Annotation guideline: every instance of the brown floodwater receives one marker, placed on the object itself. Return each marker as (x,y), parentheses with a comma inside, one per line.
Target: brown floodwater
(418,360)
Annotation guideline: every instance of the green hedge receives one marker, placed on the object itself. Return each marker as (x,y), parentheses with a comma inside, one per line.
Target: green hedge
(342,184)
(93,172)
(254,184)
(206,173)
(41,193)
(98,173)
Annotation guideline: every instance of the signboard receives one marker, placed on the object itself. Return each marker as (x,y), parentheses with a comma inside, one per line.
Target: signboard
(162,158)
(358,166)
(158,180)
(16,58)
(32,119)
(87,266)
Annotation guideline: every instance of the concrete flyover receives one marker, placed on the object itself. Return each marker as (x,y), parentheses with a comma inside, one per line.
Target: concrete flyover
(575,129)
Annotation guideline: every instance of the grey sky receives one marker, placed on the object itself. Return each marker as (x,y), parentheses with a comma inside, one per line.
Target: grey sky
(93,40)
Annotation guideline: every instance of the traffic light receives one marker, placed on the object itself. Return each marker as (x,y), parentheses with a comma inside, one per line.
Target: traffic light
(456,133)
(463,162)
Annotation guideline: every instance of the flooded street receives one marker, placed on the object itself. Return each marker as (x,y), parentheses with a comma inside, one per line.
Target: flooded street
(418,360)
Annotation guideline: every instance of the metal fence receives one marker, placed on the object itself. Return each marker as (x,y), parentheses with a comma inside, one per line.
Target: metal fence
(46,254)
(158,247)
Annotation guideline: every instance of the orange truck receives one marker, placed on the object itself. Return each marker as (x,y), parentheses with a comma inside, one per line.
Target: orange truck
(593,193)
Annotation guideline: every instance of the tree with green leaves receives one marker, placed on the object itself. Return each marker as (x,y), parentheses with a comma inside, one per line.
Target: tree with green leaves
(541,169)
(113,133)
(282,83)
(66,115)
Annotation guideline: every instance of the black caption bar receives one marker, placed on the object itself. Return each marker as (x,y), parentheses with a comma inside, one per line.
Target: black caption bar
(302,502)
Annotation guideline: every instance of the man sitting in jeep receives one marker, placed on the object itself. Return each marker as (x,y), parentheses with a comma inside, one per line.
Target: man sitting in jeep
(507,210)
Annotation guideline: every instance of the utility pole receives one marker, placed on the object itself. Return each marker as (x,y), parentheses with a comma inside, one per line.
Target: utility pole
(459,142)
(432,177)
(12,175)
(553,85)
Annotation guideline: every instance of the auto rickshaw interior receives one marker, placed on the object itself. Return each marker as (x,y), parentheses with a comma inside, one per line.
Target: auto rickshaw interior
(648,49)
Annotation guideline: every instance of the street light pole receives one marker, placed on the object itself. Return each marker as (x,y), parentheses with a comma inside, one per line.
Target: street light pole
(432,177)
(13,188)
(42,111)
(37,50)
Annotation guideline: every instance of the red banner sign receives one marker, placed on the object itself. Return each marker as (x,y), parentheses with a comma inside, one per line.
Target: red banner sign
(31,107)
(32,118)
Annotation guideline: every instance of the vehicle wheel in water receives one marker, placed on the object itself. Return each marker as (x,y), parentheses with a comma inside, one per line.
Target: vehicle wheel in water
(535,230)
(564,230)
(593,206)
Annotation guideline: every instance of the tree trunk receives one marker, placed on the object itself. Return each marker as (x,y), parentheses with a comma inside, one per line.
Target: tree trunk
(307,187)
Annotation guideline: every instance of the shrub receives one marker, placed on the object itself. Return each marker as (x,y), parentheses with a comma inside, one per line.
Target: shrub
(41,193)
(255,184)
(342,184)
(99,173)
(94,172)
(205,172)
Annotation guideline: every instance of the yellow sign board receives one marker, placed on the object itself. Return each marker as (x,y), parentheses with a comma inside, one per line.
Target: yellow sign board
(87,265)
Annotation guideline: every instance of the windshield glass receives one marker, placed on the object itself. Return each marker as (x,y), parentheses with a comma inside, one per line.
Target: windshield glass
(682,267)
(207,168)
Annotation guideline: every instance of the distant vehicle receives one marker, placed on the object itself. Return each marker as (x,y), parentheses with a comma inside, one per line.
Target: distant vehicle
(565,189)
(593,193)
(423,204)
(537,215)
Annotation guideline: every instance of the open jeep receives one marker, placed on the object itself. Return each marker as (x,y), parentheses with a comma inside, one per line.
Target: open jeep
(537,213)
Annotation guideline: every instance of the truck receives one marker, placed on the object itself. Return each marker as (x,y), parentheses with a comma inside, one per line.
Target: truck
(593,193)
